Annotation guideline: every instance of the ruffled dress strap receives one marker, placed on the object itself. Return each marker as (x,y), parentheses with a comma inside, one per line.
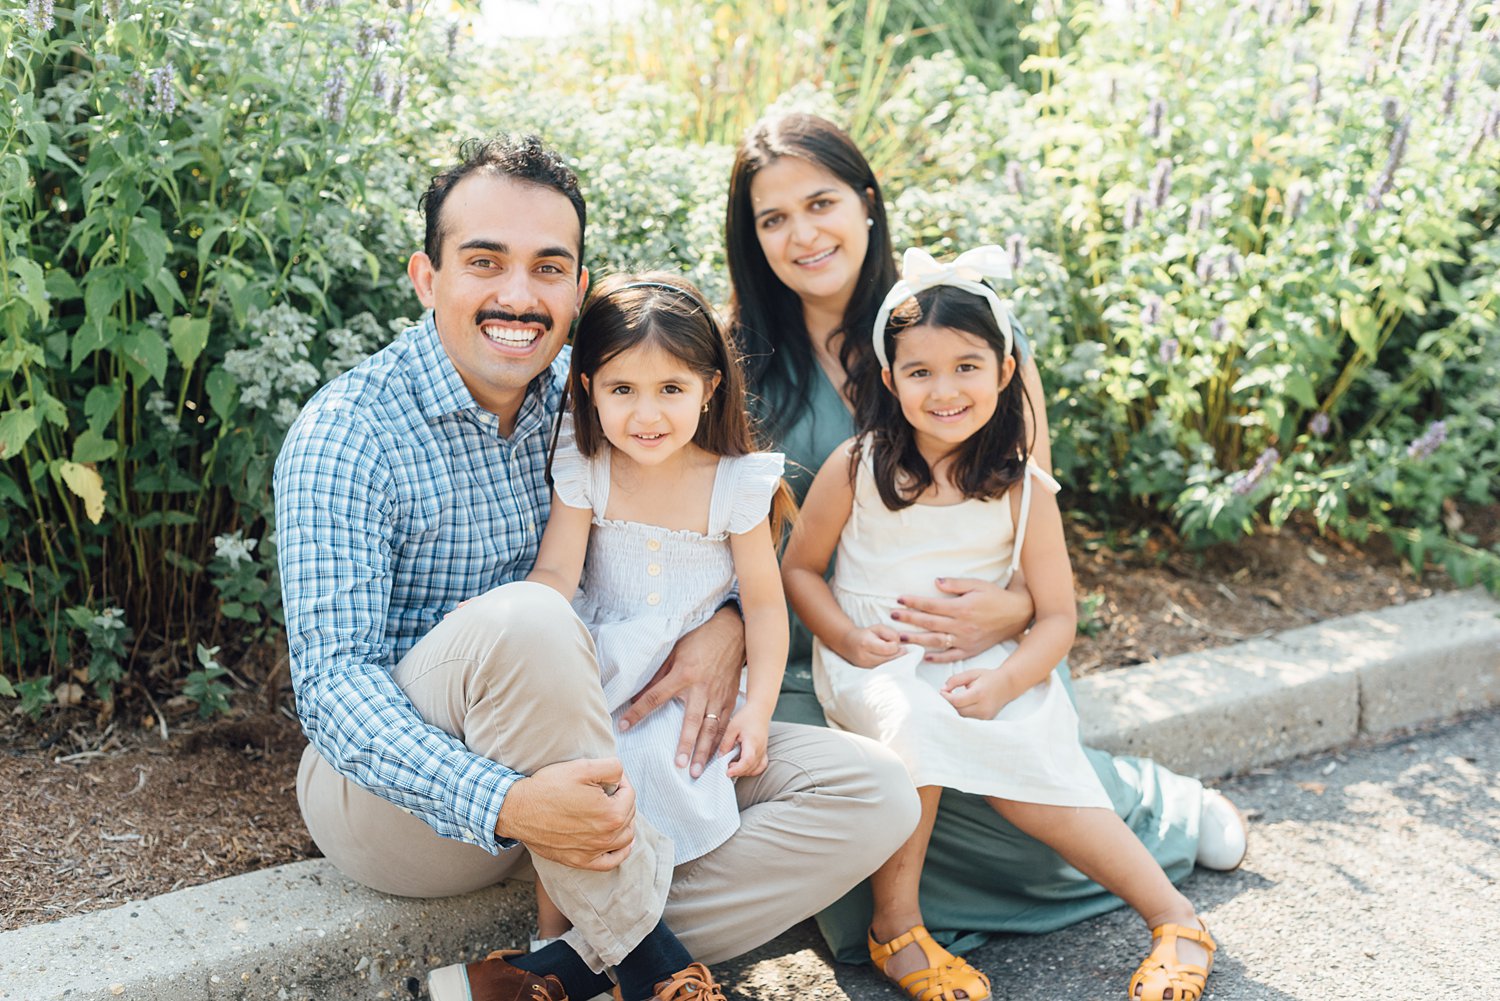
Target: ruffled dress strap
(1033,471)
(577,478)
(743,490)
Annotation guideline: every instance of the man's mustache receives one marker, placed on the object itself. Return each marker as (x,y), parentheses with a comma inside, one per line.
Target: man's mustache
(505,315)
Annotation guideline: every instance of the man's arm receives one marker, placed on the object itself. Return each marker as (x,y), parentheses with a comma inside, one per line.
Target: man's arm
(336,522)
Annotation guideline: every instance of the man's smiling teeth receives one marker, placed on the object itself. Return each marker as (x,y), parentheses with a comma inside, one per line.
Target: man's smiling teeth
(510,335)
(815,258)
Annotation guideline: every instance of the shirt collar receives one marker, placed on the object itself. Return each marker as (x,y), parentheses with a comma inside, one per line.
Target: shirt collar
(441,391)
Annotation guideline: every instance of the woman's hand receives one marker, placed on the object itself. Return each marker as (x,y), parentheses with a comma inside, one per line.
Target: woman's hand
(969,617)
(870,646)
(703,671)
(980,694)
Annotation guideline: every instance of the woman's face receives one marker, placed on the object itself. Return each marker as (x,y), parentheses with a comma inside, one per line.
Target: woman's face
(812,228)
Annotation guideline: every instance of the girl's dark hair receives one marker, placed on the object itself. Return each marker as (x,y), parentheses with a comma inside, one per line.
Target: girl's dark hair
(991,460)
(666,310)
(766,315)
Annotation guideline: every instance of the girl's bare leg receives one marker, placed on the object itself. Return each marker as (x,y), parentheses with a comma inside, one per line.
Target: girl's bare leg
(1098,844)
(896,885)
(550,922)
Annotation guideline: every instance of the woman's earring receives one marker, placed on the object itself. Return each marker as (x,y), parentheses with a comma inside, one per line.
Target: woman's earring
(870,221)
(705,406)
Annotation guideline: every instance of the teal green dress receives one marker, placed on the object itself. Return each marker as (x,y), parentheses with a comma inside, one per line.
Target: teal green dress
(982,874)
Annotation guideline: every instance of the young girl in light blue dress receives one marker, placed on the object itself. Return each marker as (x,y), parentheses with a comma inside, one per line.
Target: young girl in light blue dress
(940,484)
(663,512)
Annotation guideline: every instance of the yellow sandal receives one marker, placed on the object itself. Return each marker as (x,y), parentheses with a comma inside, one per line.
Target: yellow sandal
(1161,971)
(945,974)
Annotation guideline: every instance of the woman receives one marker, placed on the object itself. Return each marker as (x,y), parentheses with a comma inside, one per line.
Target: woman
(810,258)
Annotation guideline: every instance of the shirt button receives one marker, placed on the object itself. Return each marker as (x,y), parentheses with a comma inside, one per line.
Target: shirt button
(653,598)
(654,570)
(653,544)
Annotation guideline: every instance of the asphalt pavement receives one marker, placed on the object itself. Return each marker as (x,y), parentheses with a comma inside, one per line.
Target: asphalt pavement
(1373,873)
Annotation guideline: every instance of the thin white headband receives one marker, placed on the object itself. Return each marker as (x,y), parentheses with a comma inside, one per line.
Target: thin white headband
(920,272)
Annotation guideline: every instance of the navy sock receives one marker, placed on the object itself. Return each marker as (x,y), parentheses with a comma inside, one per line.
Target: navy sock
(559,959)
(657,958)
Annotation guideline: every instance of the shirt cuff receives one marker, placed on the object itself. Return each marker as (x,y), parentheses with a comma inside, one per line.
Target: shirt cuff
(478,793)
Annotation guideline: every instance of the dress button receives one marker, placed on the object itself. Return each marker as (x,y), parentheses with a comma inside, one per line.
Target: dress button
(653,544)
(654,569)
(653,598)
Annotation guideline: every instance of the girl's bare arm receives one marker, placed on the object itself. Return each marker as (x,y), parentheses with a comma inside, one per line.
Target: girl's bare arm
(830,500)
(565,542)
(763,605)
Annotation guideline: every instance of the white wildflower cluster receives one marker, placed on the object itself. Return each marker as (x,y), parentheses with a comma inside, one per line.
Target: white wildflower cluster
(234,548)
(275,367)
(110,620)
(163,411)
(349,345)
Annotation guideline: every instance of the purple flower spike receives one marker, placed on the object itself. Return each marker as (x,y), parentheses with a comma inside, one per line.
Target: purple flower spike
(1250,479)
(1168,350)
(1151,312)
(1318,424)
(1155,112)
(1202,215)
(38,15)
(1434,436)
(334,94)
(1015,177)
(1015,248)
(163,91)
(1219,330)
(1161,182)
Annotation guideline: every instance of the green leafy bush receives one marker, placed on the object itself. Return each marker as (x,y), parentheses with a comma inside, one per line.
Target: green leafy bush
(1255,242)
(201,207)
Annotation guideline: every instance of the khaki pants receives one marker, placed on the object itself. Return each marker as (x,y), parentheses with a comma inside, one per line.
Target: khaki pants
(513,675)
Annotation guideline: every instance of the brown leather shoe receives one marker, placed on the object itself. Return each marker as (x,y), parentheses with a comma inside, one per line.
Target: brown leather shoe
(493,979)
(692,984)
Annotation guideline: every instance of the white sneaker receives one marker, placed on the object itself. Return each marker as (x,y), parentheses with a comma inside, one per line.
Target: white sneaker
(1222,833)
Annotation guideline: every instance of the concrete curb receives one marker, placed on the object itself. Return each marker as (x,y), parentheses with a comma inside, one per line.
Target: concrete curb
(303,931)
(1233,708)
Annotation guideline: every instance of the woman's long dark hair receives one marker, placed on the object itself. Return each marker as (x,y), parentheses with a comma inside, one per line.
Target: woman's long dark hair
(765,315)
(991,460)
(666,310)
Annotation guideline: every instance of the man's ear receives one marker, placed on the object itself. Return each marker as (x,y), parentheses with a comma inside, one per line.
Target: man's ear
(420,270)
(583,286)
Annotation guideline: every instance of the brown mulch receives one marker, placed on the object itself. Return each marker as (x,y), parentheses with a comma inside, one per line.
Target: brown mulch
(95,818)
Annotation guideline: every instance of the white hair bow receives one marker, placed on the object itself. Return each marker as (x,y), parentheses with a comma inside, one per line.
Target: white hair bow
(920,271)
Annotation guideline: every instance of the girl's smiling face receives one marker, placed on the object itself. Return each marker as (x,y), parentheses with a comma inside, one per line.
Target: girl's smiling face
(948,383)
(649,402)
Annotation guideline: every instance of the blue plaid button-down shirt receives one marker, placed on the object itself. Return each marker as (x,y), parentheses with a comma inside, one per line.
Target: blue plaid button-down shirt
(397,498)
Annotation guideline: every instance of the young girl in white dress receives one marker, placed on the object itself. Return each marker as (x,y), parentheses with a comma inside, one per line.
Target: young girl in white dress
(660,506)
(939,484)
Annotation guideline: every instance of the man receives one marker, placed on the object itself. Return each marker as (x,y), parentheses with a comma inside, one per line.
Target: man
(441,739)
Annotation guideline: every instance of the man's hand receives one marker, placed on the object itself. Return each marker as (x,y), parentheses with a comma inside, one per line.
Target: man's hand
(971,616)
(580,813)
(703,671)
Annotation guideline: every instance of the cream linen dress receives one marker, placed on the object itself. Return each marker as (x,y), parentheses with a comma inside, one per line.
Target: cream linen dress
(1030,751)
(643,588)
